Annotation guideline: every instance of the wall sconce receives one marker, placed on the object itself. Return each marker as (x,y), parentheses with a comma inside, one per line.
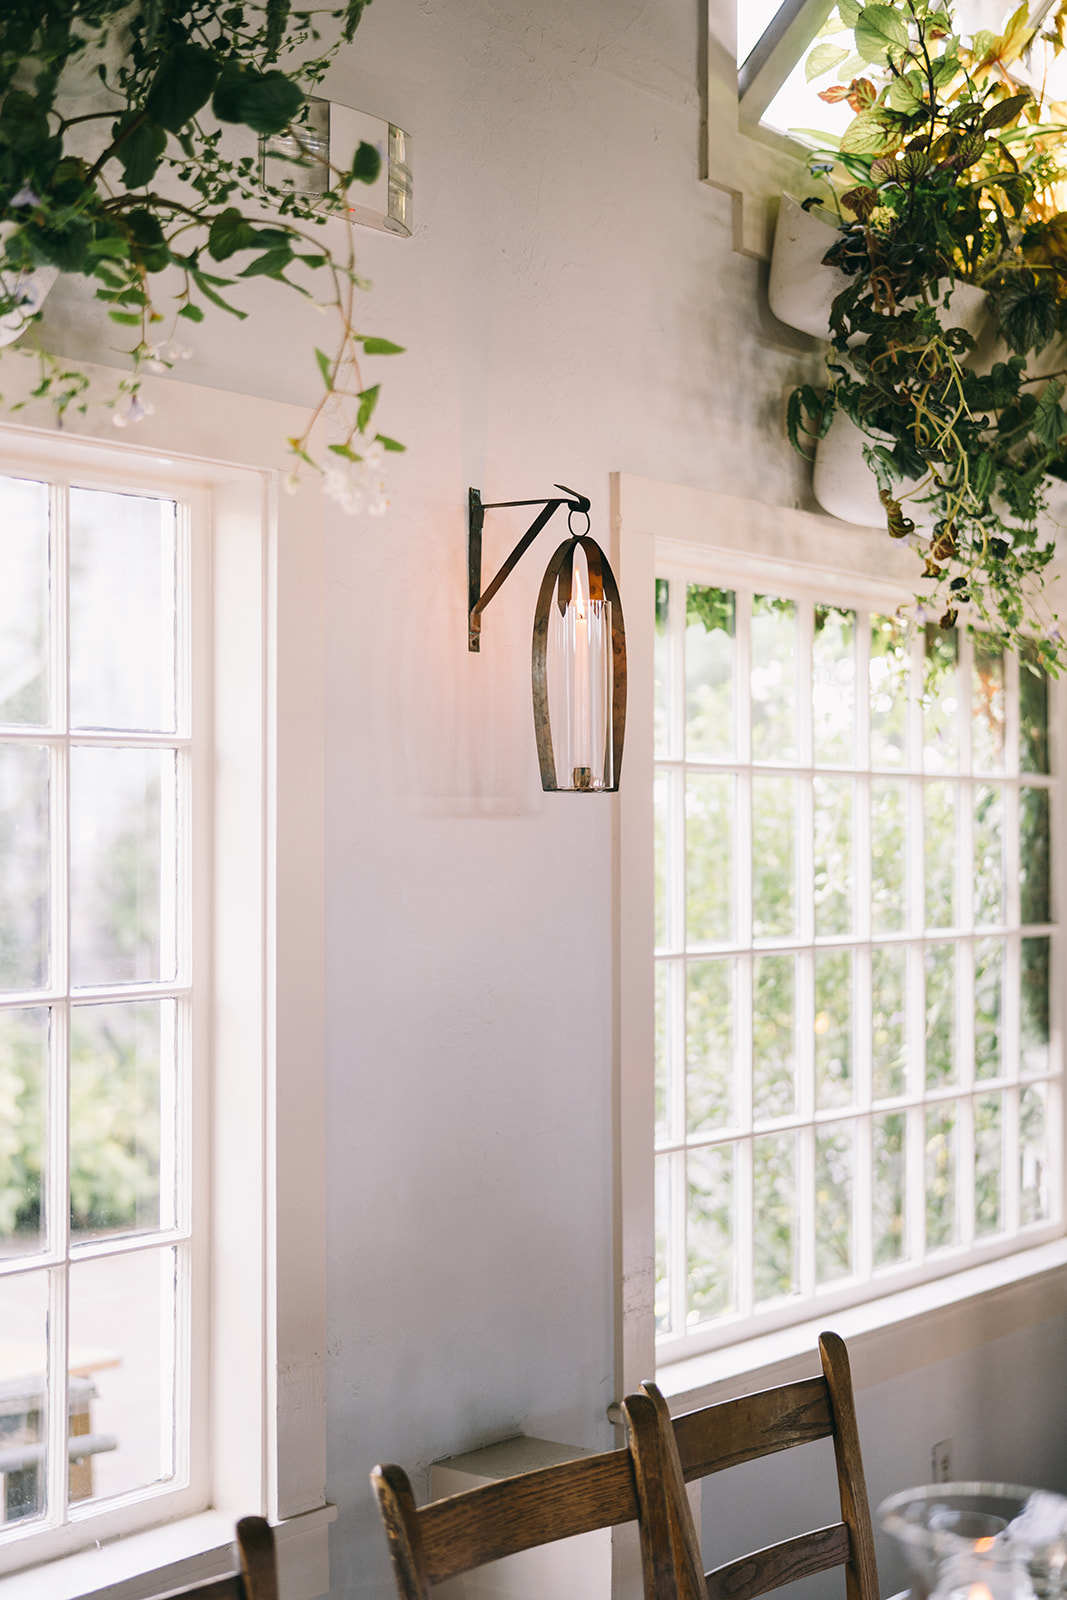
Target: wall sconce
(579,646)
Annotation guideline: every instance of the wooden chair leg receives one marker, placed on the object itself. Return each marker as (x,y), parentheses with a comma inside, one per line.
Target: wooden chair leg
(259,1566)
(661,1491)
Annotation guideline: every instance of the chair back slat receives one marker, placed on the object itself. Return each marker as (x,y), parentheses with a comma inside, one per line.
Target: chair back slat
(258,1578)
(500,1519)
(769,1569)
(752,1426)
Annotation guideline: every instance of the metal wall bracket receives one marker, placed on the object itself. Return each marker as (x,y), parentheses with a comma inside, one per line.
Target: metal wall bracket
(476,600)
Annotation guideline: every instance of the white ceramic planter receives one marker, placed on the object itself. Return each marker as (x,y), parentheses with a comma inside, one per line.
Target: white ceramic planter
(801,289)
(844,484)
(30,289)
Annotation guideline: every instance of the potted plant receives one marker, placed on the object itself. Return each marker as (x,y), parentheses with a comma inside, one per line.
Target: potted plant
(116,165)
(948,175)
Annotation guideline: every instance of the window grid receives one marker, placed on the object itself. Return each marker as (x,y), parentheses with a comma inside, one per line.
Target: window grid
(707,1290)
(59,996)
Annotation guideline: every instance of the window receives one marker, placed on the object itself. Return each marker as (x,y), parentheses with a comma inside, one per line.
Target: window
(102,1007)
(857,1083)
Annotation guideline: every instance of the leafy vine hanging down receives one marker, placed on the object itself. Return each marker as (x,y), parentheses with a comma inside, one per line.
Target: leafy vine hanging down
(950,172)
(114,167)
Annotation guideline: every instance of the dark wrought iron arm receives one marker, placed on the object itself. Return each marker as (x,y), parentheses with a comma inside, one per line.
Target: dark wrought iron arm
(476,600)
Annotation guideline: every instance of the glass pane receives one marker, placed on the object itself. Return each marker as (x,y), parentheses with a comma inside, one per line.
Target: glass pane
(122,1064)
(889,835)
(122,1341)
(889,692)
(833,855)
(939,842)
(24,868)
(709,852)
(1033,1154)
(834,1159)
(774,830)
(123,865)
(1034,1041)
(709,1045)
(663,1226)
(709,673)
(753,19)
(940,963)
(663,1043)
(890,1187)
(988,1007)
(774,679)
(23,1132)
(774,1196)
(1033,712)
(833,1029)
(23,602)
(711,1233)
(23,1407)
(833,687)
(940,700)
(941,1228)
(988,853)
(987,705)
(122,611)
(889,997)
(661,669)
(660,797)
(1034,897)
(988,1164)
(773,1037)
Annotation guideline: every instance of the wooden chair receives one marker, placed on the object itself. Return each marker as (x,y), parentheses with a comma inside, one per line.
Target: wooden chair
(258,1577)
(431,1543)
(721,1436)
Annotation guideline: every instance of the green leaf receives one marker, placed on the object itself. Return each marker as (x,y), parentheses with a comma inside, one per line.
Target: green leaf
(229,232)
(129,319)
(366,164)
(344,450)
(1005,111)
(868,134)
(389,444)
(140,151)
(368,399)
(277,17)
(186,77)
(193,313)
(905,94)
(382,347)
(271,264)
(324,367)
(265,102)
(849,12)
(880,28)
(203,283)
(111,245)
(824,58)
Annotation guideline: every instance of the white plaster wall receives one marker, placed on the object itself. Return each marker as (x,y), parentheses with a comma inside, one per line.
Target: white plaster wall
(571,305)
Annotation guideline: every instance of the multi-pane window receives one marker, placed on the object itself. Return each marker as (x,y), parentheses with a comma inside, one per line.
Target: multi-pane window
(95,1000)
(857,1076)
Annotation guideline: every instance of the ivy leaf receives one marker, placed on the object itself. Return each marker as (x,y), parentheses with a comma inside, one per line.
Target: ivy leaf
(186,77)
(266,102)
(366,164)
(382,347)
(368,399)
(229,232)
(880,28)
(141,150)
(823,58)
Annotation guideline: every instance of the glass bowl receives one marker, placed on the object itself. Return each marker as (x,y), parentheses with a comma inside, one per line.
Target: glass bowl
(980,1541)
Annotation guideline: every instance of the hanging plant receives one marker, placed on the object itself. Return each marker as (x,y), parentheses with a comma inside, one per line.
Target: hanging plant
(114,167)
(950,173)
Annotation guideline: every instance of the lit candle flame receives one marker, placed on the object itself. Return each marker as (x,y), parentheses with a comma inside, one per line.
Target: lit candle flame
(981,1546)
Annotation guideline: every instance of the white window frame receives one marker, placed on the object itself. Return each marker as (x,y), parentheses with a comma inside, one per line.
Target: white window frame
(754,541)
(264,1135)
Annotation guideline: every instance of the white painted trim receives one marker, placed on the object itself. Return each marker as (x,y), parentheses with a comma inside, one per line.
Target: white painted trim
(268,1413)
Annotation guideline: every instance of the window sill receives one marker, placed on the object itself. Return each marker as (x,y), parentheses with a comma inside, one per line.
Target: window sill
(886,1337)
(180,1553)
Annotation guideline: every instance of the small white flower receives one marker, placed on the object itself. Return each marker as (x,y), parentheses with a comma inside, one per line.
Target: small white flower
(1052,632)
(131,408)
(292,483)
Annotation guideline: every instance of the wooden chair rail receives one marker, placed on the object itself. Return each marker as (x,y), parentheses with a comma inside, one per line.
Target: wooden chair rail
(769,1569)
(496,1520)
(752,1426)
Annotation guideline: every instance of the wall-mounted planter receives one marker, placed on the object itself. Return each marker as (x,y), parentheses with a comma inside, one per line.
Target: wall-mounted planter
(802,289)
(30,289)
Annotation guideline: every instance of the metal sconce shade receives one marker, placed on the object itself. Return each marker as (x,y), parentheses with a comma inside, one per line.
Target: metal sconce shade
(579,647)
(579,671)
